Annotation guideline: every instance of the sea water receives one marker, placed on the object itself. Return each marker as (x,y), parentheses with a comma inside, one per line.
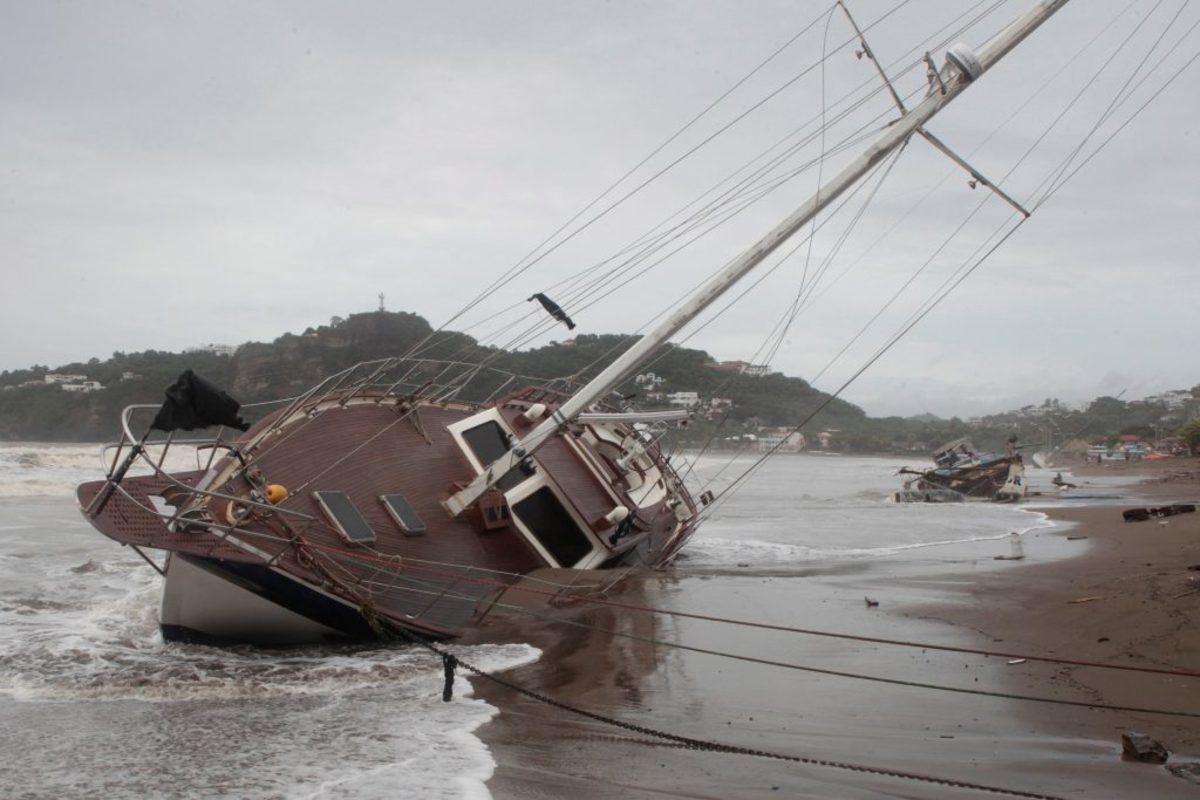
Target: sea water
(93,702)
(800,508)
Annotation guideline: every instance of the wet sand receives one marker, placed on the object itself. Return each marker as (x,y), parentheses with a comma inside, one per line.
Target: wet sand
(621,664)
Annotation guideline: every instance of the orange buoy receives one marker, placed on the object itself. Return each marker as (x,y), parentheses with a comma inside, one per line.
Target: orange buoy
(276,493)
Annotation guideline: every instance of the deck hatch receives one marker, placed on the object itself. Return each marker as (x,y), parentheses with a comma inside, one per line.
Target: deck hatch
(488,442)
(404,515)
(345,517)
(553,526)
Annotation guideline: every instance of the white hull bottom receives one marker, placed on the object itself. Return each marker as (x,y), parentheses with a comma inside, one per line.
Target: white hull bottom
(201,606)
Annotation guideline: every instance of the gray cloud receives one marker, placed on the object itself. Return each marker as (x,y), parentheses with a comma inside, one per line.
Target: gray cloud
(184,173)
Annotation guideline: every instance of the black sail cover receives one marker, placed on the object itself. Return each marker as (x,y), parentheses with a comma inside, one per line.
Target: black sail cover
(554,308)
(193,402)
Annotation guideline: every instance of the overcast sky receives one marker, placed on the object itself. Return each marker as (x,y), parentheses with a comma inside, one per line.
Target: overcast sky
(182,173)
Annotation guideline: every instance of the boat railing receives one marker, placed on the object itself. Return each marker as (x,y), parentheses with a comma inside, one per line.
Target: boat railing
(133,450)
(411,380)
(396,379)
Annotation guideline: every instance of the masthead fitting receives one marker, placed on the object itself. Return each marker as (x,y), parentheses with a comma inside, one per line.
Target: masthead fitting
(963,59)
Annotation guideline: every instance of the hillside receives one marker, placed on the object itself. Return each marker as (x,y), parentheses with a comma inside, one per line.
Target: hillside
(31,409)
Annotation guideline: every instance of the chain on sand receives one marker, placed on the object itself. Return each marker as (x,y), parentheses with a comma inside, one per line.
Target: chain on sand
(690,743)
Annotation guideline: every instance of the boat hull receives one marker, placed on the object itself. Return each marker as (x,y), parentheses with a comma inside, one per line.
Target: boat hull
(357,543)
(1001,480)
(210,601)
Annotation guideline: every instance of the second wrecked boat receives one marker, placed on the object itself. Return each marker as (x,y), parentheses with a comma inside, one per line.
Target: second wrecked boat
(963,473)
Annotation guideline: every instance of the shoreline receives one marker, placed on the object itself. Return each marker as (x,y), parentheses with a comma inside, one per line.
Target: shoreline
(967,600)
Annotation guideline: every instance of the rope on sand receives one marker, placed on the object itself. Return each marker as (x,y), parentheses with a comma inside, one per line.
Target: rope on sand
(690,743)
(412,566)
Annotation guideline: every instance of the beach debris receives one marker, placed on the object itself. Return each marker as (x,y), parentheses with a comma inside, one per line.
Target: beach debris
(1018,551)
(1189,771)
(1102,639)
(1143,514)
(1062,484)
(871,602)
(1017,661)
(1140,747)
(1087,599)
(1195,567)
(1075,538)
(449,663)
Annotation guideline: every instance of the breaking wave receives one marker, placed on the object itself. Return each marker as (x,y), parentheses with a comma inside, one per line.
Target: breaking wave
(54,470)
(62,646)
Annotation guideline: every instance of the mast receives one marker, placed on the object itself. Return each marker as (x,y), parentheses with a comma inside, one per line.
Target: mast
(961,69)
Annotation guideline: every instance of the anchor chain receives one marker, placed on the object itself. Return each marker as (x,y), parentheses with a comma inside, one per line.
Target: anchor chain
(690,743)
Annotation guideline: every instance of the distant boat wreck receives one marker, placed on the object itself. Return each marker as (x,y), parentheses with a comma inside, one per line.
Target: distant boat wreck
(963,473)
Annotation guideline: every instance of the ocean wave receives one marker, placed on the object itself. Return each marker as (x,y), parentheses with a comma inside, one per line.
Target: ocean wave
(88,630)
(706,551)
(49,470)
(161,672)
(34,487)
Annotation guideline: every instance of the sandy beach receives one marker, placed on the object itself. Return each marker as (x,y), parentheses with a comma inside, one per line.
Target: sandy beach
(1091,588)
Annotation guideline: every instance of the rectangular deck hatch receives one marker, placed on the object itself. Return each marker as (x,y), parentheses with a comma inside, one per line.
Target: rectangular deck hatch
(345,517)
(488,441)
(404,514)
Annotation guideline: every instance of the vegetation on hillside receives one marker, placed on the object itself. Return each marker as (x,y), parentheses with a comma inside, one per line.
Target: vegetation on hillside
(33,410)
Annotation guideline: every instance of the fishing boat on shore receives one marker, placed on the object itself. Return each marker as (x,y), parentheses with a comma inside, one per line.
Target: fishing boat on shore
(412,496)
(962,473)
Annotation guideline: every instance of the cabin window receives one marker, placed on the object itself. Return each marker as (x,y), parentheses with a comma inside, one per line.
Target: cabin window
(553,527)
(488,442)
(403,514)
(340,510)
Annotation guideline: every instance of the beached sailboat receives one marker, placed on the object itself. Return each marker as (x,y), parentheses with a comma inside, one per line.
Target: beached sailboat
(382,500)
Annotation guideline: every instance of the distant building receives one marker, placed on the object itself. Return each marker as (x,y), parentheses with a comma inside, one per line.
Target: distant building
(216,349)
(84,386)
(649,381)
(1173,400)
(740,368)
(780,440)
(130,376)
(718,407)
(685,399)
(62,377)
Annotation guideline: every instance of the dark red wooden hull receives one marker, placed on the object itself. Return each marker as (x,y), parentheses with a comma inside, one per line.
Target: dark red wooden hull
(439,582)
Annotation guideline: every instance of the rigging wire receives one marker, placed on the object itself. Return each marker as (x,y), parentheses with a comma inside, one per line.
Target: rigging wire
(529,260)
(953,281)
(879,354)
(805,668)
(1173,77)
(436,570)
(1117,98)
(954,34)
(949,173)
(967,25)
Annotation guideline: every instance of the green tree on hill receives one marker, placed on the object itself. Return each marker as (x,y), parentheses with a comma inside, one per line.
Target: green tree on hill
(1190,434)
